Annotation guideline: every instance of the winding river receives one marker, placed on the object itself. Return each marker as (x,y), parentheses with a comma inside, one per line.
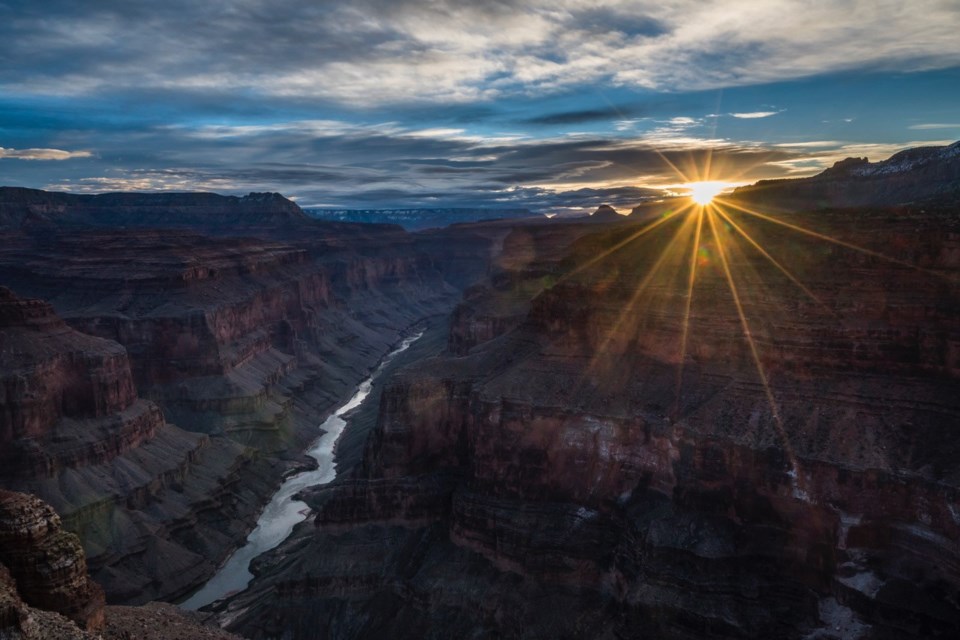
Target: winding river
(282,513)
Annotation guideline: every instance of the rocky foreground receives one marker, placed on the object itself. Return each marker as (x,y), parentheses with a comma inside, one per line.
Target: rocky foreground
(45,592)
(574,468)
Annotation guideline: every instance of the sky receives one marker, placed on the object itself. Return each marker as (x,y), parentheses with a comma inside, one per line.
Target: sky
(554,105)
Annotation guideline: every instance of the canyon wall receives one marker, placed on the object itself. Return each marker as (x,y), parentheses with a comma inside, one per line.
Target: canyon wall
(171,378)
(574,468)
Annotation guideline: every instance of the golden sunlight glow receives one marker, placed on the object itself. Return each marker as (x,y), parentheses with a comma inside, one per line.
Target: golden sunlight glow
(718,239)
(703,192)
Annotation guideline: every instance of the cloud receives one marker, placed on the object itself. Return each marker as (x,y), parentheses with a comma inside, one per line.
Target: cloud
(42,154)
(809,144)
(390,165)
(924,127)
(376,52)
(400,102)
(750,115)
(584,115)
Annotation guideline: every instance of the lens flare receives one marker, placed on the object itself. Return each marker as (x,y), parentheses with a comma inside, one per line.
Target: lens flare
(703,193)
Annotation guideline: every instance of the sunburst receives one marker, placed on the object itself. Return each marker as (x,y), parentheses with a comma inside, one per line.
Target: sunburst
(712,225)
(703,192)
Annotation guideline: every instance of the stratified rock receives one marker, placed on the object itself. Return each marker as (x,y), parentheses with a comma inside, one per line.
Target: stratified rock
(243,344)
(47,562)
(19,621)
(73,430)
(562,475)
(155,621)
(50,373)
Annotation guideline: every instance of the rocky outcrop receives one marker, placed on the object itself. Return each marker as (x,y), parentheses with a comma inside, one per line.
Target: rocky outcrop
(46,594)
(19,621)
(158,621)
(52,374)
(581,474)
(47,562)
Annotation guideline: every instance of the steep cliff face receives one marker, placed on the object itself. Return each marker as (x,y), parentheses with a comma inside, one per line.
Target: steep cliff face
(789,470)
(221,333)
(243,344)
(52,375)
(75,431)
(19,621)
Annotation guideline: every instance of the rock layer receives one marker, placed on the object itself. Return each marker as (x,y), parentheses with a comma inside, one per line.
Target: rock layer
(48,595)
(584,472)
(76,432)
(47,562)
(181,374)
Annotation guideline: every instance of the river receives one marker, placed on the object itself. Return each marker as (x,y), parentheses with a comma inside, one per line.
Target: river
(282,513)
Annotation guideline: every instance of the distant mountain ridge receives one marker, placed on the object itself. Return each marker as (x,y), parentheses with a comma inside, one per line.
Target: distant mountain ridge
(606,213)
(414,219)
(917,175)
(28,207)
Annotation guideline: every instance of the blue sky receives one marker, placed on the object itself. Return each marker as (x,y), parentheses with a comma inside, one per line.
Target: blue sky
(553,105)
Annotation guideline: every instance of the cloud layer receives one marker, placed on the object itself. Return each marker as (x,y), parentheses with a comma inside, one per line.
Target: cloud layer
(391,103)
(389,51)
(330,163)
(42,154)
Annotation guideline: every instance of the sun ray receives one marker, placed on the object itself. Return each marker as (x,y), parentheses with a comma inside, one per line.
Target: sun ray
(642,232)
(778,423)
(657,151)
(773,260)
(826,238)
(670,164)
(668,248)
(708,162)
(686,312)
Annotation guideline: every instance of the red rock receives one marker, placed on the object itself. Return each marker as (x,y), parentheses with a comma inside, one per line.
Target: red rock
(244,344)
(46,561)
(586,495)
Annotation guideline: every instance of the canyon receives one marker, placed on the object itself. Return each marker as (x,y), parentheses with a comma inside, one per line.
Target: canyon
(565,470)
(682,423)
(159,382)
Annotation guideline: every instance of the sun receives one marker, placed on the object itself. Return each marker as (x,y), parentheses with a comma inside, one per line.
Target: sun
(703,192)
